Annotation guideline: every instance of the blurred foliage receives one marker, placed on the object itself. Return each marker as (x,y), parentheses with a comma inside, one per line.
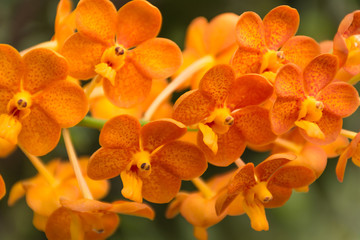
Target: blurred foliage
(329,211)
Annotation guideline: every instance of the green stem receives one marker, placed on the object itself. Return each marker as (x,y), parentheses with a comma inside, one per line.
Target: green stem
(91,122)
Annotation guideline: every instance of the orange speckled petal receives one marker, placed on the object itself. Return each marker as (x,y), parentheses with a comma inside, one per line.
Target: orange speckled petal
(250,31)
(120,132)
(220,33)
(133,208)
(280,196)
(5,96)
(160,132)
(292,176)
(157,58)
(243,178)
(246,60)
(182,159)
(82,55)
(44,66)
(195,35)
(108,163)
(11,67)
(230,147)
(288,82)
(85,205)
(254,124)
(249,89)
(280,24)
(217,81)
(349,152)
(339,98)
(61,100)
(300,50)
(131,87)
(160,186)
(330,125)
(2,187)
(266,168)
(137,21)
(96,19)
(223,202)
(39,134)
(283,114)
(58,224)
(193,107)
(319,73)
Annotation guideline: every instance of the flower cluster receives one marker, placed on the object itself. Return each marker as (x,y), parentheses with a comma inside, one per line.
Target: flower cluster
(249,83)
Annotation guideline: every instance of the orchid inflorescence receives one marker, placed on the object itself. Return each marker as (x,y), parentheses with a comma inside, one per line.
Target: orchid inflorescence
(250,83)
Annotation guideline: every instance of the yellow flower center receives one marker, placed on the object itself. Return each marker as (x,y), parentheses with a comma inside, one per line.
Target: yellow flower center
(17,109)
(272,61)
(311,109)
(112,60)
(137,169)
(310,113)
(19,105)
(220,120)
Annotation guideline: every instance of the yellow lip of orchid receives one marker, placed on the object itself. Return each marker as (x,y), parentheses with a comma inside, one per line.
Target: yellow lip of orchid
(220,120)
(112,60)
(272,60)
(19,106)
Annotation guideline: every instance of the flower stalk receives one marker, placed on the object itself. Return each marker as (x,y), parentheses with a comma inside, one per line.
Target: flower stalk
(39,166)
(186,74)
(75,164)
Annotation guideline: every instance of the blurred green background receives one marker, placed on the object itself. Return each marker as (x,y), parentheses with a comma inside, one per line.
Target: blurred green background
(331,210)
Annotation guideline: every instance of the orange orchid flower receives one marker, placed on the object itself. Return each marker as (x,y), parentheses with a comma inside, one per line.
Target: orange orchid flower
(121,48)
(268,185)
(91,219)
(43,197)
(198,208)
(36,100)
(225,110)
(215,38)
(149,159)
(312,101)
(260,40)
(353,152)
(346,46)
(2,187)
